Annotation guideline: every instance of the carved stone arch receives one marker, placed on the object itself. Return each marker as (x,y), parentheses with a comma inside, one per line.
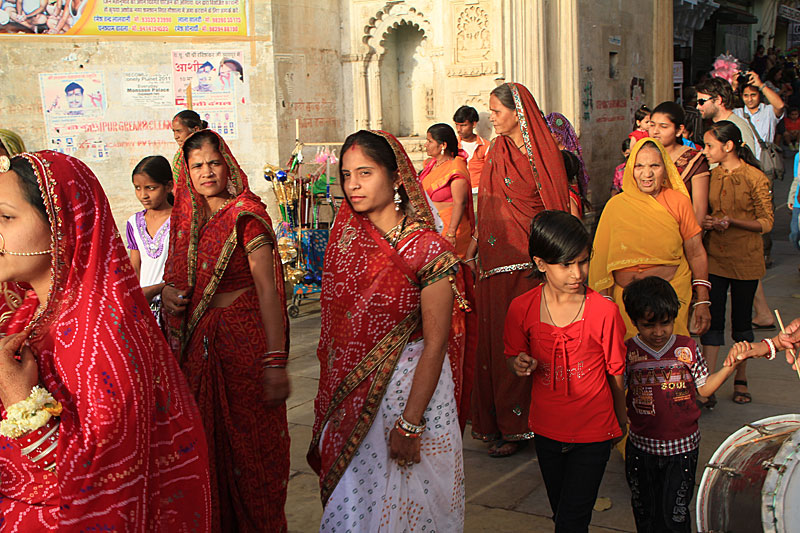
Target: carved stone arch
(390,17)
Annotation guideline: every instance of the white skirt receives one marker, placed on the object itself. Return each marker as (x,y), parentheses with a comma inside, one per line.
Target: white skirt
(377,495)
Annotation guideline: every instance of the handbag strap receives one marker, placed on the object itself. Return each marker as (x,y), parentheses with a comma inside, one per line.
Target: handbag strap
(753,127)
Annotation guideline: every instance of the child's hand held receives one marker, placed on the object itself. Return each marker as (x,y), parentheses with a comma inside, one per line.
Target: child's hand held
(524,364)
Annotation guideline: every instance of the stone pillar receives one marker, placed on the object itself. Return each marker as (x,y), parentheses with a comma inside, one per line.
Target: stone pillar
(661,88)
(524,46)
(358,68)
(566,92)
(362,97)
(374,75)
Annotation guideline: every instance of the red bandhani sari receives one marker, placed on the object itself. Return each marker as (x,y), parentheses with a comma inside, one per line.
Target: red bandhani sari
(131,452)
(370,317)
(220,351)
(515,186)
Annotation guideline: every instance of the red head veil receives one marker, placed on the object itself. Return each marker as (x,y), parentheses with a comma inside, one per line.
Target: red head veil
(370,308)
(219,237)
(131,452)
(515,186)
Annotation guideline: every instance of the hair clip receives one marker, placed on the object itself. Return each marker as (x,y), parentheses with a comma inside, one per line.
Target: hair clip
(5,163)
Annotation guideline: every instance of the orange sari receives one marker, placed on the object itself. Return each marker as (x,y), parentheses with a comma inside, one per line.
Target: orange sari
(436,182)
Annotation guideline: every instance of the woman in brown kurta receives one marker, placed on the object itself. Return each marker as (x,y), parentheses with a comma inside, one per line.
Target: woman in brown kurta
(741,210)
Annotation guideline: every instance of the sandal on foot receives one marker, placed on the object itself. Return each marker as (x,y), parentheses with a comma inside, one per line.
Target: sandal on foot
(766,327)
(504,448)
(709,404)
(739,396)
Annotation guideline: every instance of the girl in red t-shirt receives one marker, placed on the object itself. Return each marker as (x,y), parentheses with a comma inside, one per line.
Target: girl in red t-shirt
(571,339)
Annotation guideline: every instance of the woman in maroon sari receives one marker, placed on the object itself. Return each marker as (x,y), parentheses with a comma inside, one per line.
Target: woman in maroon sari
(123,449)
(227,322)
(523,175)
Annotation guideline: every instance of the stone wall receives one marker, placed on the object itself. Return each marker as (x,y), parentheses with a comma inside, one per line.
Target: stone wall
(288,76)
(616,77)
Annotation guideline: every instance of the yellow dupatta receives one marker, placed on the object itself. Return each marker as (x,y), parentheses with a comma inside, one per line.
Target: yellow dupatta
(634,230)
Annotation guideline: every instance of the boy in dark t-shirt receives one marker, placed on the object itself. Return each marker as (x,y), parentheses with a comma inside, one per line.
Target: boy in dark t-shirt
(664,373)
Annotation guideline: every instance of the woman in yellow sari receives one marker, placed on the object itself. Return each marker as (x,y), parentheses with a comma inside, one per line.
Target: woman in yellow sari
(445,179)
(650,230)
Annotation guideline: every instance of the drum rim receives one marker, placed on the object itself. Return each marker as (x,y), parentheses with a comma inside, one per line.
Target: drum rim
(720,453)
(774,487)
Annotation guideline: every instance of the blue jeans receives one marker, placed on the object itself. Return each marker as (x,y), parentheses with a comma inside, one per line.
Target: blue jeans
(794,232)
(661,489)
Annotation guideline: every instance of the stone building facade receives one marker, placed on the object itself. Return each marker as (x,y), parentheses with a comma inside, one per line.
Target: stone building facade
(330,67)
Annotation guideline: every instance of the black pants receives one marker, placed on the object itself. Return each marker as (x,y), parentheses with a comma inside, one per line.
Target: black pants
(572,473)
(742,294)
(661,489)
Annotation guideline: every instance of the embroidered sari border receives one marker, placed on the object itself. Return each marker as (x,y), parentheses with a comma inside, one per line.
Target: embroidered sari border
(383,359)
(219,271)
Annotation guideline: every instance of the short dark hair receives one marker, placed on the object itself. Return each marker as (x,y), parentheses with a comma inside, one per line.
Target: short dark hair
(717,87)
(72,86)
(191,119)
(466,113)
(626,144)
(650,298)
(557,238)
(29,184)
(444,134)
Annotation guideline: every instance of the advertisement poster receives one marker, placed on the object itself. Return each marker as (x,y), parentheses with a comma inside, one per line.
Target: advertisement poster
(125,17)
(218,83)
(70,100)
(140,89)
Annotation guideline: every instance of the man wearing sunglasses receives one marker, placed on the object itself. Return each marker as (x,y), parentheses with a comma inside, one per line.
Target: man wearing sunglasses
(715,101)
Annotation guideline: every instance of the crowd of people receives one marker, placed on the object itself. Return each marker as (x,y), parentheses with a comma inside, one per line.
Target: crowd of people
(146,390)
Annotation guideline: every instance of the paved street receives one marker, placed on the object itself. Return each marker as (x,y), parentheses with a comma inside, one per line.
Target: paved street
(507,495)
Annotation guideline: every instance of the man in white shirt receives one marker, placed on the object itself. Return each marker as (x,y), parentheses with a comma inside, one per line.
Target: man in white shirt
(764,117)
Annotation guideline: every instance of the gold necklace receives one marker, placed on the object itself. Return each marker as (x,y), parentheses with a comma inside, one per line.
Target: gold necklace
(393,235)
(547,308)
(220,208)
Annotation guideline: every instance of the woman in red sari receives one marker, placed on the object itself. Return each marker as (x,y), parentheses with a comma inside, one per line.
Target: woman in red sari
(523,175)
(229,328)
(445,179)
(121,446)
(387,439)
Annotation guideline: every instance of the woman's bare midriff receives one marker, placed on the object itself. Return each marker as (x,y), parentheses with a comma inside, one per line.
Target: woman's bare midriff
(623,278)
(225,299)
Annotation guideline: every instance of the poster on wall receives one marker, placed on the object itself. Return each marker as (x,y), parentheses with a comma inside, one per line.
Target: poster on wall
(141,89)
(71,100)
(218,83)
(125,17)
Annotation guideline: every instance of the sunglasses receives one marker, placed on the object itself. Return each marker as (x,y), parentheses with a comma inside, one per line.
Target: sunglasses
(702,101)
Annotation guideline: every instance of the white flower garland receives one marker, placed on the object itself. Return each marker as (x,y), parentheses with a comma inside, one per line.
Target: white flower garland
(30,414)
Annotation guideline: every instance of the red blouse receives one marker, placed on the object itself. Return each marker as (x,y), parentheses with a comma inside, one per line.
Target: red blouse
(571,400)
(250,237)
